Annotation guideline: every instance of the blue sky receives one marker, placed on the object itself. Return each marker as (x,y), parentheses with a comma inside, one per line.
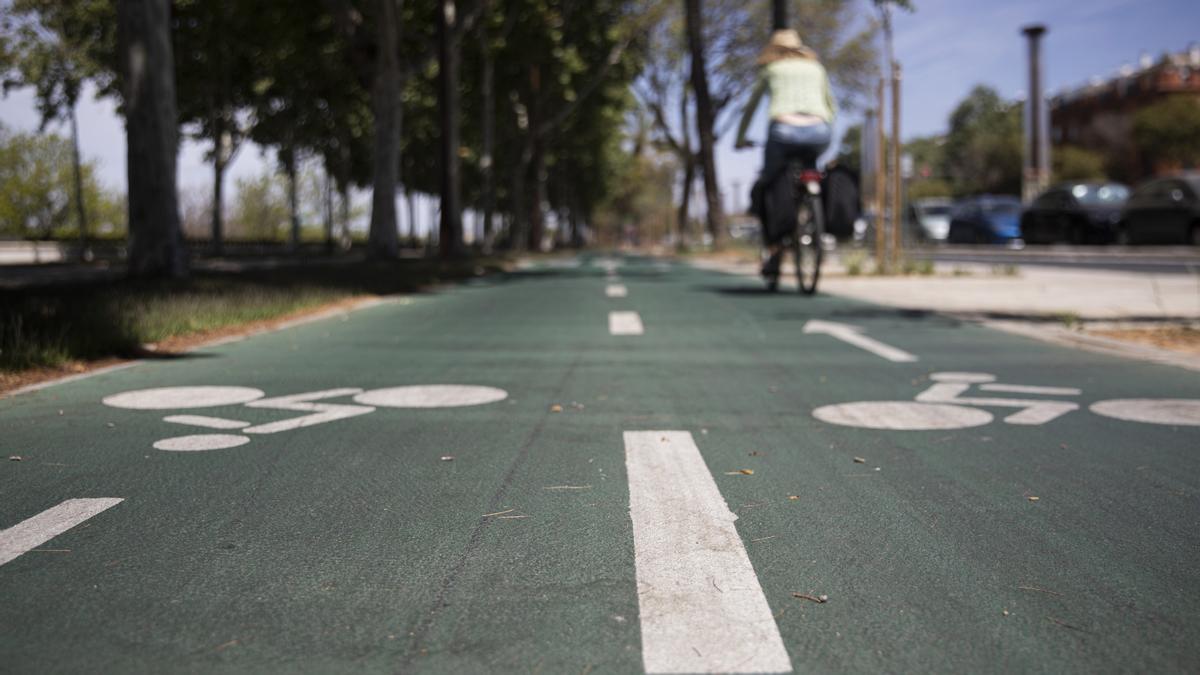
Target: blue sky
(946,47)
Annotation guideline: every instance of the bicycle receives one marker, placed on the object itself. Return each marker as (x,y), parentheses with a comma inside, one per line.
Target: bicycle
(806,239)
(949,404)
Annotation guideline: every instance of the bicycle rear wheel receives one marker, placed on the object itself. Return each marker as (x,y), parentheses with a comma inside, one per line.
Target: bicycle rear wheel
(806,245)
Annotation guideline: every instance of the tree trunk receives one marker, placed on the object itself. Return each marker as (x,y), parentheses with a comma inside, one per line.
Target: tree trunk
(537,161)
(344,188)
(85,253)
(450,236)
(518,231)
(327,209)
(219,164)
(704,122)
(152,138)
(383,240)
(293,201)
(412,215)
(489,136)
(685,199)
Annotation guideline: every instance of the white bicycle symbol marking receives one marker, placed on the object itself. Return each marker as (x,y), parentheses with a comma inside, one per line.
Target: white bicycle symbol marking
(944,405)
(187,398)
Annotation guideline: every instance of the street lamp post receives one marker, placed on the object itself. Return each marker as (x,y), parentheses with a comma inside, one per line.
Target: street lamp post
(1037,147)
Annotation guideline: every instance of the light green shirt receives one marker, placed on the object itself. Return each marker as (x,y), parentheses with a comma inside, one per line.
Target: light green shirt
(796,86)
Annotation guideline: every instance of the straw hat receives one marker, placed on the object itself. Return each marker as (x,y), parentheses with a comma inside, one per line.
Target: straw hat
(784,44)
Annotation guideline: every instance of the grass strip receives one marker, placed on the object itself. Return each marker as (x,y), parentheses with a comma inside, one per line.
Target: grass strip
(55,326)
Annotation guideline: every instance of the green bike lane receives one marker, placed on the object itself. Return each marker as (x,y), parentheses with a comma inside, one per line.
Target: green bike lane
(353,545)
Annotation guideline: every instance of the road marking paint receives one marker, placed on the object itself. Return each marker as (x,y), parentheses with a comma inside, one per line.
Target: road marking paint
(166,398)
(432,396)
(853,335)
(1025,389)
(625,323)
(963,378)
(35,531)
(902,415)
(616,291)
(206,421)
(201,442)
(1033,412)
(1172,411)
(702,609)
(321,412)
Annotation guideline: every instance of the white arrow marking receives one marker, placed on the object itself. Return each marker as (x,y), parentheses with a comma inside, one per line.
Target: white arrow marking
(854,336)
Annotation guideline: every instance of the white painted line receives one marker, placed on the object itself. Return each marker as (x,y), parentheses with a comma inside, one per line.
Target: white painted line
(852,335)
(1170,411)
(616,291)
(206,421)
(201,442)
(625,323)
(431,396)
(1027,389)
(902,415)
(1033,412)
(166,398)
(701,607)
(35,531)
(321,412)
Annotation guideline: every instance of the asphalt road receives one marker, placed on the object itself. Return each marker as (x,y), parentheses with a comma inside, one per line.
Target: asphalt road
(1155,259)
(642,491)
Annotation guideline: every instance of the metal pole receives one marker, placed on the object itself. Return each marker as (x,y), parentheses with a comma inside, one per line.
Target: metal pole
(1037,161)
(779,14)
(897,220)
(880,180)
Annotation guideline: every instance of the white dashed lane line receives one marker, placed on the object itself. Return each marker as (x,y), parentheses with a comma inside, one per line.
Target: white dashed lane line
(701,607)
(625,323)
(616,291)
(33,532)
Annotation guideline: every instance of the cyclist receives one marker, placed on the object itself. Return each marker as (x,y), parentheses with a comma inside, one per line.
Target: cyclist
(801,113)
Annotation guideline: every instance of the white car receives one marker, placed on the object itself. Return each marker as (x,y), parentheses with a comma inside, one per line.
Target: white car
(931,218)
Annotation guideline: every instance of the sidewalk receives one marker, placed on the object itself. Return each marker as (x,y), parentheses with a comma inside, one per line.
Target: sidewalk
(1032,292)
(1083,308)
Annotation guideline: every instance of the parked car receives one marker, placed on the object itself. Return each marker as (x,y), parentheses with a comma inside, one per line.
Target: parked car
(930,218)
(986,219)
(1163,211)
(1075,213)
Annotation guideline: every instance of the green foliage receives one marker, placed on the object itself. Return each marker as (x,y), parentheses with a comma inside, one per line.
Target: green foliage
(1168,132)
(929,187)
(37,189)
(260,211)
(983,145)
(642,199)
(1075,163)
(54,46)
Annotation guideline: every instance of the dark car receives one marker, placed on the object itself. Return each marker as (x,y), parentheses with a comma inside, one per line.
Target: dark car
(986,219)
(1075,213)
(1163,211)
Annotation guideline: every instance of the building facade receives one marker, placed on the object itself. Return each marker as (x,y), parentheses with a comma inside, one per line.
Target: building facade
(1100,115)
